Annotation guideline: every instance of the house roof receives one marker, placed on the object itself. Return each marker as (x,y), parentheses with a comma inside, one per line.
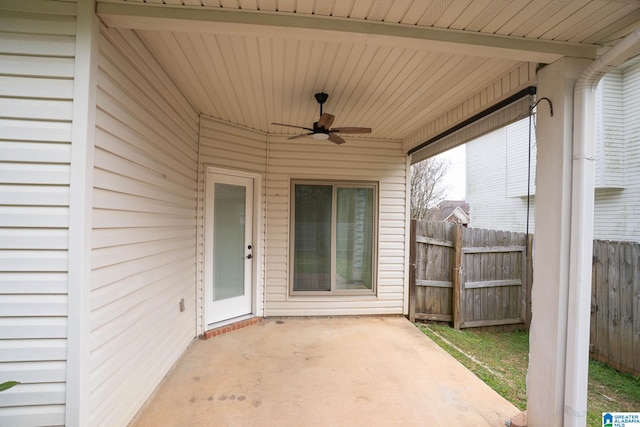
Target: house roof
(447,208)
(397,66)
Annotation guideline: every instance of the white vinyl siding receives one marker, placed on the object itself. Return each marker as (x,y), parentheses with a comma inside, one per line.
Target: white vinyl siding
(234,148)
(278,160)
(617,166)
(518,153)
(144,228)
(357,160)
(610,138)
(496,177)
(617,207)
(37,48)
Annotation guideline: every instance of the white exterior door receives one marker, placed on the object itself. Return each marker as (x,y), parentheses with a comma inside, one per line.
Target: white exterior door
(228,246)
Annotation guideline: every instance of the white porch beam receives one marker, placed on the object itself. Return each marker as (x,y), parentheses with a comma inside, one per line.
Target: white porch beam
(218,21)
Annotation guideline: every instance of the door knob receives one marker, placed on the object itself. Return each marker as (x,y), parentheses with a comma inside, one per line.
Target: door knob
(249,256)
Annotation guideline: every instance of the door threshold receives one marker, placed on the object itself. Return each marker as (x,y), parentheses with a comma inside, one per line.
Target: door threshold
(220,328)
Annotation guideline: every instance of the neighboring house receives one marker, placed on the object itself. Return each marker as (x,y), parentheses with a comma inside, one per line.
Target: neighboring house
(147,197)
(498,193)
(452,211)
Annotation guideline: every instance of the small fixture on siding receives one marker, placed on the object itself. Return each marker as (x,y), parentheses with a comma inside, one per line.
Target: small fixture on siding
(181,305)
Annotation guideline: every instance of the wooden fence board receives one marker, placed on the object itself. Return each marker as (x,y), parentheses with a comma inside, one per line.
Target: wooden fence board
(614,305)
(412,270)
(493,275)
(626,306)
(635,257)
(602,305)
(493,283)
(435,317)
(432,241)
(615,300)
(492,322)
(593,324)
(456,298)
(475,279)
(434,283)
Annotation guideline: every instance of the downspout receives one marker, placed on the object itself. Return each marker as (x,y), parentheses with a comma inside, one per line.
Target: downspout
(582,206)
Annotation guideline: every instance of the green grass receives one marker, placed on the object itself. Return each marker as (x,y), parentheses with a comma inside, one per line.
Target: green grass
(500,359)
(610,391)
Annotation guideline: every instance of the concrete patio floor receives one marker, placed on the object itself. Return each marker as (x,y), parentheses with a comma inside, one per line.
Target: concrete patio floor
(343,371)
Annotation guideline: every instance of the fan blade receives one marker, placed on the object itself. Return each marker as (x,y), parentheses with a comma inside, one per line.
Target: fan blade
(335,138)
(351,130)
(292,126)
(300,136)
(326,120)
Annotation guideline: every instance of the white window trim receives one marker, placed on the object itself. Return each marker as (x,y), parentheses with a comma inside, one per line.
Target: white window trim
(333,293)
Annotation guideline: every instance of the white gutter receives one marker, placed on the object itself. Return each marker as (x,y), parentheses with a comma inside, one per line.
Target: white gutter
(581,249)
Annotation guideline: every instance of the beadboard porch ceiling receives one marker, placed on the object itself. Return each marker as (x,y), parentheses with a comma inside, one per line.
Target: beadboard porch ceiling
(392,65)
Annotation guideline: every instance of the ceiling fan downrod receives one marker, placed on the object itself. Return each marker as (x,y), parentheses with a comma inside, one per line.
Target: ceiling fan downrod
(321,98)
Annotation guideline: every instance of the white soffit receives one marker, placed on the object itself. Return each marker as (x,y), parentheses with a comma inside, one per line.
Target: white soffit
(402,67)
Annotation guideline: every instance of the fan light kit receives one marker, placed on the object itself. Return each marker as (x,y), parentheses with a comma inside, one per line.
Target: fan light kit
(322,128)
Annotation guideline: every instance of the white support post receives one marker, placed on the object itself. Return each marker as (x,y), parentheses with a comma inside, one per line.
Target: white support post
(549,299)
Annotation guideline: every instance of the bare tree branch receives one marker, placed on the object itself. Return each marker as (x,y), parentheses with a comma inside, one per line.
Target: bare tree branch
(428,188)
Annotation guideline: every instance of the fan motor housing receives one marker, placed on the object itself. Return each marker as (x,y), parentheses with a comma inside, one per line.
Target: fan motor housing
(318,129)
(321,97)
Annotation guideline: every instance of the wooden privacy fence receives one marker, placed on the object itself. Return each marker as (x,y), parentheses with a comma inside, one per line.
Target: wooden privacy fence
(476,278)
(471,277)
(615,305)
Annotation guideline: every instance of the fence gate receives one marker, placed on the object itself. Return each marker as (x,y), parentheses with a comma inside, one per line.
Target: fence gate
(493,278)
(471,277)
(434,256)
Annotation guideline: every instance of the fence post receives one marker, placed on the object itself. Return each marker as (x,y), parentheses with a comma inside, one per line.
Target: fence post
(457,266)
(412,271)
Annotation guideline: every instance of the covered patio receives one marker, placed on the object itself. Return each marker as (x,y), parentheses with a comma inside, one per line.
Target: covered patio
(135,131)
(323,371)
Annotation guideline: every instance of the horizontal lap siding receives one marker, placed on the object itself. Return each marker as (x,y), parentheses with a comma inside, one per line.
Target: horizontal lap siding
(616,209)
(144,228)
(610,147)
(37,48)
(497,178)
(226,146)
(356,160)
(632,149)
